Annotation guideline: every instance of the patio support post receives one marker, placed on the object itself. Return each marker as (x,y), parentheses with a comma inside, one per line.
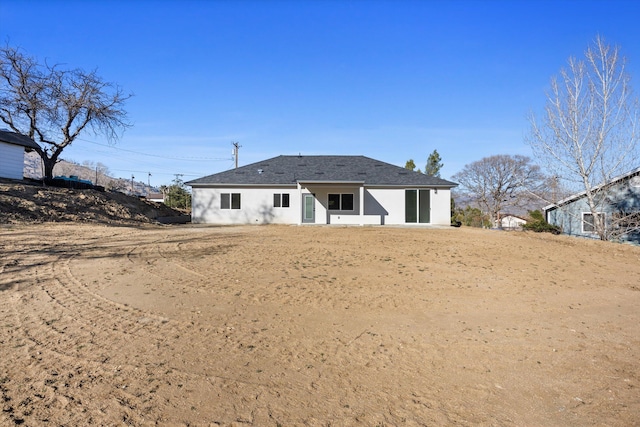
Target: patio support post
(362,205)
(300,208)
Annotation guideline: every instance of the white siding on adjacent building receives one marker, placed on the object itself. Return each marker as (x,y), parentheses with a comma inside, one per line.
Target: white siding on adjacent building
(510,221)
(11,161)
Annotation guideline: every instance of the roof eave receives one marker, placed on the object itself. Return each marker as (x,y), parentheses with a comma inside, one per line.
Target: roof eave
(311,181)
(226,185)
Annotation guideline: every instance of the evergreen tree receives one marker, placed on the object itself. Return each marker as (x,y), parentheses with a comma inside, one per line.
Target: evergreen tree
(434,164)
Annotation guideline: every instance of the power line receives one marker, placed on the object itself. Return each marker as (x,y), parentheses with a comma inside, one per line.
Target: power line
(188,159)
(155,173)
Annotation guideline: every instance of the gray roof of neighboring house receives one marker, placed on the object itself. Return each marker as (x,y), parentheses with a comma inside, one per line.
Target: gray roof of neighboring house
(576,196)
(17,139)
(289,170)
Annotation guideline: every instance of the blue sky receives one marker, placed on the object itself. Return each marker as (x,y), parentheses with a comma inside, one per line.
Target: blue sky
(392,80)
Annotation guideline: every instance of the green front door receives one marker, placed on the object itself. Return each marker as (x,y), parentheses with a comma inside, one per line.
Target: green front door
(308,208)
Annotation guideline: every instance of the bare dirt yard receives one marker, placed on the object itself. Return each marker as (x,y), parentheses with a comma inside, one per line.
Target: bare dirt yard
(317,326)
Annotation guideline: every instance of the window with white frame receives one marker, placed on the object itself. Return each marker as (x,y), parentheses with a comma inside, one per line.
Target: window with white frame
(230,201)
(340,202)
(589,221)
(281,200)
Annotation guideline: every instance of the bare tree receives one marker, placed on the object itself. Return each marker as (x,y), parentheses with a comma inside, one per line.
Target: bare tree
(54,106)
(589,133)
(497,182)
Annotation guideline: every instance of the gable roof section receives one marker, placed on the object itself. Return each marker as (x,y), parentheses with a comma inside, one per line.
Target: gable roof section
(290,170)
(574,197)
(507,215)
(17,139)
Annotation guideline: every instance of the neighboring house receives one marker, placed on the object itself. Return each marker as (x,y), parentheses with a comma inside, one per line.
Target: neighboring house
(155,197)
(353,190)
(12,148)
(511,222)
(619,202)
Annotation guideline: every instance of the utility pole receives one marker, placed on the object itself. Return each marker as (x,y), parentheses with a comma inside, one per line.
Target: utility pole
(149,181)
(132,184)
(236,147)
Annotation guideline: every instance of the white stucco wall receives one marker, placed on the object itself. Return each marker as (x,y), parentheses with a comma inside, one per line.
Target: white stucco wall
(11,161)
(441,207)
(381,206)
(256,206)
(391,201)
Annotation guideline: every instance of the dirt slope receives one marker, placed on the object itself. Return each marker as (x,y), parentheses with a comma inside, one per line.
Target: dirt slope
(25,203)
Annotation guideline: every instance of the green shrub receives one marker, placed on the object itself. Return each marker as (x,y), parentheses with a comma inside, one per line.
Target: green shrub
(539,225)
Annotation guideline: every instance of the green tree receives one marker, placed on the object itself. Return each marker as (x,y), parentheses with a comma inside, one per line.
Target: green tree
(434,164)
(411,165)
(471,217)
(177,195)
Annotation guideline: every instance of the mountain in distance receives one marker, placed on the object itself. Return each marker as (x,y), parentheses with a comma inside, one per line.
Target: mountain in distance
(97,173)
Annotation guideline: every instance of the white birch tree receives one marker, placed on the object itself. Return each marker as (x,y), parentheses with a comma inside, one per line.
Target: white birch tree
(589,131)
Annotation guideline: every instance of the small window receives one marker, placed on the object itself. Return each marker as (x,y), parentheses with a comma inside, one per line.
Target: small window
(230,201)
(281,200)
(347,202)
(235,200)
(225,201)
(340,202)
(589,223)
(334,202)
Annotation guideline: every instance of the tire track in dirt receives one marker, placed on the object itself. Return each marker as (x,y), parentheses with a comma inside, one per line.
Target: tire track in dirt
(153,261)
(203,337)
(69,334)
(56,384)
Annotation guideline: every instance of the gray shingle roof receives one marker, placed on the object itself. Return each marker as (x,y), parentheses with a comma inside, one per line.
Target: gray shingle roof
(17,139)
(288,170)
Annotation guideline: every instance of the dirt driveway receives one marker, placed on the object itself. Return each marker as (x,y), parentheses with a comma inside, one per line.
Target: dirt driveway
(318,326)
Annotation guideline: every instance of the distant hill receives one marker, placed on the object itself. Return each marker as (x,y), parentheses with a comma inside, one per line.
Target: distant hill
(97,173)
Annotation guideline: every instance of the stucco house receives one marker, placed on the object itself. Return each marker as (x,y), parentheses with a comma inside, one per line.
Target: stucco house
(12,148)
(510,222)
(354,190)
(619,208)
